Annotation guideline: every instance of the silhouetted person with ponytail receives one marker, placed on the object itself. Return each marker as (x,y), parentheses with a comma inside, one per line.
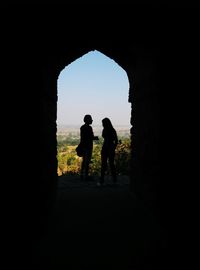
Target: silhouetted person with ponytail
(86,140)
(110,142)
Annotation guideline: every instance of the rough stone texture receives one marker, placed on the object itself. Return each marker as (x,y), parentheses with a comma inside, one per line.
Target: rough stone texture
(156,47)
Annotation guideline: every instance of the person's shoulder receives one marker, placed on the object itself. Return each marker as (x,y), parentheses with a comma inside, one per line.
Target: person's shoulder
(82,128)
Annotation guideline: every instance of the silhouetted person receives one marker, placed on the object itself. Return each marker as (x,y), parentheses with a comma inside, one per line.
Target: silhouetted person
(108,150)
(86,140)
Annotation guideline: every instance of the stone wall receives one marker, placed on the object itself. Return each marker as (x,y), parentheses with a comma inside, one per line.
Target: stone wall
(43,43)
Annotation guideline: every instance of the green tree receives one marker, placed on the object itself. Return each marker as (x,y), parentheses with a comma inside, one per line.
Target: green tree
(122,157)
(70,163)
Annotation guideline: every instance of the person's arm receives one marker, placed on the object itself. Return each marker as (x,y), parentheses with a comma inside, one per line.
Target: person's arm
(116,139)
(94,137)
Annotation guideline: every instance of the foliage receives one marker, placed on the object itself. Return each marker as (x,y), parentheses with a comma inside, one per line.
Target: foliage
(122,157)
(70,163)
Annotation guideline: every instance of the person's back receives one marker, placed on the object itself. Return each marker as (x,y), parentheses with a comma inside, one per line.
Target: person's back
(110,137)
(109,134)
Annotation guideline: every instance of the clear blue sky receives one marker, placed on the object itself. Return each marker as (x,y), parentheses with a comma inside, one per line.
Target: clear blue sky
(93,84)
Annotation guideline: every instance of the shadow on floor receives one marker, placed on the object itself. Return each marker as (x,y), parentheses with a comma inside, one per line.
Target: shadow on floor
(100,228)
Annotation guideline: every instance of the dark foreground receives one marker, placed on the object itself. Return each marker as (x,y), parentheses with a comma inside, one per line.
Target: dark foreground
(100,228)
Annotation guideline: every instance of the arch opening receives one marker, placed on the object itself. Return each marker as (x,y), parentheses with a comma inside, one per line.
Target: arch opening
(97,85)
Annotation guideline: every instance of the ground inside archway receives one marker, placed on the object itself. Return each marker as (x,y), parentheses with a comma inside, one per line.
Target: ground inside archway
(100,228)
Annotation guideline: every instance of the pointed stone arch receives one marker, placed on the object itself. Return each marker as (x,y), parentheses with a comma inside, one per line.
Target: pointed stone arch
(140,66)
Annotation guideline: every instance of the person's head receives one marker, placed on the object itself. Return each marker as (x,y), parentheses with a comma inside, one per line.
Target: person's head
(88,119)
(106,123)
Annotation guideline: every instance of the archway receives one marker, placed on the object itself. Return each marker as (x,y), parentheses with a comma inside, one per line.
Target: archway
(97,85)
(112,214)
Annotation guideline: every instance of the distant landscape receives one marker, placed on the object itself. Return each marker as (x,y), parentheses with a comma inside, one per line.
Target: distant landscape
(68,137)
(63,130)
